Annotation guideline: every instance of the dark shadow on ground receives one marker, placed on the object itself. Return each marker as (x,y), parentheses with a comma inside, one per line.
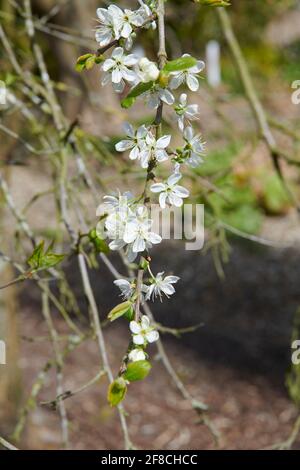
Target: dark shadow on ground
(247,317)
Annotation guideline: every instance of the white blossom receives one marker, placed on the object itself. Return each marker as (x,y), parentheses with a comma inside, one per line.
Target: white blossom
(143,332)
(138,234)
(126,288)
(106,32)
(170,191)
(185,113)
(136,355)
(125,21)
(188,76)
(120,211)
(118,203)
(154,149)
(146,13)
(161,285)
(156,94)
(117,69)
(148,71)
(134,142)
(194,148)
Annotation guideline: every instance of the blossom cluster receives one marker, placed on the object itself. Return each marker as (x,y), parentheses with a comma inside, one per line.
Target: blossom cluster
(126,221)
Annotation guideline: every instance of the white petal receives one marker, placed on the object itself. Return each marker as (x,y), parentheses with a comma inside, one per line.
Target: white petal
(138,339)
(141,132)
(124,145)
(158,187)
(145,322)
(198,67)
(192,82)
(108,64)
(163,142)
(122,283)
(135,327)
(183,99)
(130,60)
(134,153)
(139,245)
(172,279)
(130,232)
(116,245)
(126,30)
(137,355)
(162,200)
(188,133)
(176,81)
(154,238)
(116,75)
(128,129)
(118,53)
(175,200)
(128,75)
(181,191)
(173,179)
(168,289)
(166,96)
(161,155)
(152,336)
(119,87)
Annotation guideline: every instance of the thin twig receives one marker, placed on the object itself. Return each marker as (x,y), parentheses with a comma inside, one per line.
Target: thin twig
(7,444)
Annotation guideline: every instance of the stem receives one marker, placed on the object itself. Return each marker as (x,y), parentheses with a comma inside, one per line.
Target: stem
(7,444)
(162,54)
(251,94)
(59,366)
(100,339)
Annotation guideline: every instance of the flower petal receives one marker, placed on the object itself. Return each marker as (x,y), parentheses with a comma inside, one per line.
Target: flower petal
(152,336)
(138,339)
(145,322)
(192,82)
(163,142)
(124,145)
(158,187)
(135,327)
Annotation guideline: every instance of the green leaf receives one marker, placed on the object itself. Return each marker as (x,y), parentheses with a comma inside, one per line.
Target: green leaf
(213,3)
(35,259)
(120,310)
(116,391)
(137,371)
(134,93)
(177,65)
(44,260)
(100,245)
(87,61)
(274,198)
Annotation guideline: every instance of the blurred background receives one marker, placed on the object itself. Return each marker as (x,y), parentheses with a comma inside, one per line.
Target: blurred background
(240,294)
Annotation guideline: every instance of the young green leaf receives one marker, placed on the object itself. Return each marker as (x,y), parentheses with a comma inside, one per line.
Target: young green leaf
(87,61)
(213,3)
(100,245)
(116,391)
(183,63)
(41,259)
(137,371)
(134,93)
(125,308)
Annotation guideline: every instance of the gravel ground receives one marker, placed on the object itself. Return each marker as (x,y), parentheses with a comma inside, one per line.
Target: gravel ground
(236,362)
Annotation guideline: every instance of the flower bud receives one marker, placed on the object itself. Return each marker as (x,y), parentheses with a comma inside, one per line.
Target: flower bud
(149,71)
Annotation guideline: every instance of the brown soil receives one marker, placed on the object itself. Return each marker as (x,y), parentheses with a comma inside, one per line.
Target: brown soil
(249,412)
